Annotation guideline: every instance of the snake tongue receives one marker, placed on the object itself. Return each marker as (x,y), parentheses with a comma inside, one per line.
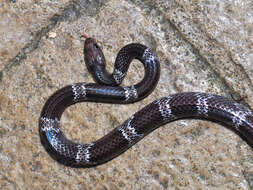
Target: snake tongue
(85,36)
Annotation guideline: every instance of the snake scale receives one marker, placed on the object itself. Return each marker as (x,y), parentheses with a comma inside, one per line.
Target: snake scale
(107,89)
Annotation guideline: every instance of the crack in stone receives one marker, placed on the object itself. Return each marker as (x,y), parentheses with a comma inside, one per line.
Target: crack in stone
(70,13)
(148,6)
(91,7)
(249,178)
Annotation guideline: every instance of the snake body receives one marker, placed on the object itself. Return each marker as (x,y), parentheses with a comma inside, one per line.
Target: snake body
(107,90)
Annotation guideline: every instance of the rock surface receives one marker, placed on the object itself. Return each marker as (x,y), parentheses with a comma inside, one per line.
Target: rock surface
(202,46)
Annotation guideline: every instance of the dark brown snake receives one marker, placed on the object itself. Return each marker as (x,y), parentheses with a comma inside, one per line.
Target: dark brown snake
(107,90)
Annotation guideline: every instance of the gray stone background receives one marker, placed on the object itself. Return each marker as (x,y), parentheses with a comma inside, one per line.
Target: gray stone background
(202,45)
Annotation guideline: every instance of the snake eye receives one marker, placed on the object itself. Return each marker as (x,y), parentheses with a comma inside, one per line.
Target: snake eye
(96,46)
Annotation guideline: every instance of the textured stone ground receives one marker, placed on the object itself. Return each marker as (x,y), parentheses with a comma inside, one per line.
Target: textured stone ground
(202,46)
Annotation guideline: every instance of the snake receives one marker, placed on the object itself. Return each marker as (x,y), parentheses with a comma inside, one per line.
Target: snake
(107,89)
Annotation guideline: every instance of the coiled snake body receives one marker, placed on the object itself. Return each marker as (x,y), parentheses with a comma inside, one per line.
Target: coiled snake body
(107,90)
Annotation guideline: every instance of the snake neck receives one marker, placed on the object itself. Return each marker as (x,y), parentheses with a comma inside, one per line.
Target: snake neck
(103,77)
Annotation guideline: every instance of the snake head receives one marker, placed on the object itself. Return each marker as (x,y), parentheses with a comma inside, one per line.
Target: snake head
(96,64)
(93,56)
